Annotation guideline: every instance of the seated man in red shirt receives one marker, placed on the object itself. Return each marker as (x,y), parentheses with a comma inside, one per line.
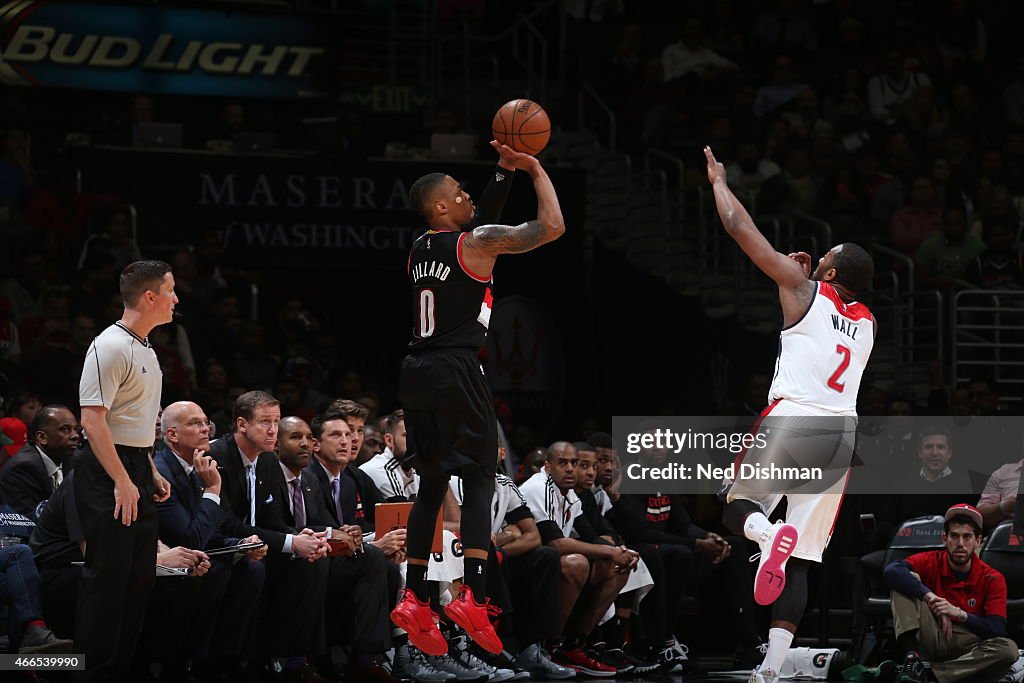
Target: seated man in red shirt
(951,607)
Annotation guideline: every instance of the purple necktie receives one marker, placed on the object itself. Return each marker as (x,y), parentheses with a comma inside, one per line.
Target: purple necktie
(336,495)
(298,510)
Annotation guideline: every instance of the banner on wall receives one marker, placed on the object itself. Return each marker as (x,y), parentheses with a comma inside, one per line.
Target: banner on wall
(165,50)
(295,211)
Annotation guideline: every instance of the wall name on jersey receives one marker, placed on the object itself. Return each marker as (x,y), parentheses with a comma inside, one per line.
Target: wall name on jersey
(434,269)
(845,326)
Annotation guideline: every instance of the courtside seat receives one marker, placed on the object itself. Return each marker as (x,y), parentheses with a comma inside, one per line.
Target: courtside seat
(913,536)
(1003,550)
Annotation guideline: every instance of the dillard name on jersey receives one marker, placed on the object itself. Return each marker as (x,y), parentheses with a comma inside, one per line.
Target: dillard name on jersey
(434,269)
(845,326)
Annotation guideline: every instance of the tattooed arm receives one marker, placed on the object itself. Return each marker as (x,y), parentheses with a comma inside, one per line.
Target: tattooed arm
(483,245)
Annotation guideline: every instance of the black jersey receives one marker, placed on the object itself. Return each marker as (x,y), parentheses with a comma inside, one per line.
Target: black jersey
(451,305)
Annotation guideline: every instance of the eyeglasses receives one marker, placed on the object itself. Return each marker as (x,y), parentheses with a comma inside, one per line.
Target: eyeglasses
(199,424)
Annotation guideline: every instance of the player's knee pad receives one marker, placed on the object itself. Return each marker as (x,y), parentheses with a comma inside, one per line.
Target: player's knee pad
(793,601)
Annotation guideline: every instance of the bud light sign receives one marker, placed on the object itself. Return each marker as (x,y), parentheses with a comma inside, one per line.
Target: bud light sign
(165,50)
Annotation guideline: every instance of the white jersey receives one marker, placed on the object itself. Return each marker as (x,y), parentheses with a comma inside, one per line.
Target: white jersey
(822,356)
(507,503)
(391,480)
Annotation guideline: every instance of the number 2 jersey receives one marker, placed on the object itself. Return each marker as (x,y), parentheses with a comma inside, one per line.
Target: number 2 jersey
(822,356)
(451,305)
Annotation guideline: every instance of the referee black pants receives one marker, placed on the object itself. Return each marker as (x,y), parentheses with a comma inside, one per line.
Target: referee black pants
(120,565)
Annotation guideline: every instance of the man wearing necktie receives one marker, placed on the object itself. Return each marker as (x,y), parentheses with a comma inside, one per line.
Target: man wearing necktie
(357,590)
(256,500)
(191,517)
(37,469)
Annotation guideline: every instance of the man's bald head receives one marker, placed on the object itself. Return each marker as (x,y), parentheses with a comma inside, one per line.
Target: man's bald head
(186,429)
(560,448)
(293,422)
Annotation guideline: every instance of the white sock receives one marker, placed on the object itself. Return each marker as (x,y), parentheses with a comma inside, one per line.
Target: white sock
(779,640)
(756,526)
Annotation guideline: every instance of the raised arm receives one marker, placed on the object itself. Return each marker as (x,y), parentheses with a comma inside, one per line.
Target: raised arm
(737,222)
(790,272)
(483,245)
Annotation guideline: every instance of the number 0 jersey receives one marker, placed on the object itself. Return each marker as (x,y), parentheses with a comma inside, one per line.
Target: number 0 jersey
(822,356)
(451,305)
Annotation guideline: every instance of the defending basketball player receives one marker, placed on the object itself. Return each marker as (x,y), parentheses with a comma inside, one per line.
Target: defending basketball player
(449,412)
(824,347)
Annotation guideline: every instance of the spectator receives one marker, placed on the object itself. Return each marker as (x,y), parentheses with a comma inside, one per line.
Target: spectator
(918,219)
(10,344)
(943,258)
(20,591)
(949,606)
(691,55)
(795,189)
(17,434)
(783,29)
(1001,265)
(750,170)
(25,291)
(36,471)
(16,175)
(933,484)
(781,91)
(999,499)
(960,37)
(892,87)
(1013,97)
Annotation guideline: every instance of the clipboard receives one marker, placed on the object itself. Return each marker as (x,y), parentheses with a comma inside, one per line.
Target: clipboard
(170,571)
(391,516)
(240,548)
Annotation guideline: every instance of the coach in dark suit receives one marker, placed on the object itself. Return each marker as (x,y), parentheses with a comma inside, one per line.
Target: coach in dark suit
(37,469)
(251,488)
(357,593)
(191,517)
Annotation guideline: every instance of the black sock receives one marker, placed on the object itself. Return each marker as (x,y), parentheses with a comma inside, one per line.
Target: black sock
(474,575)
(434,597)
(907,642)
(615,632)
(416,580)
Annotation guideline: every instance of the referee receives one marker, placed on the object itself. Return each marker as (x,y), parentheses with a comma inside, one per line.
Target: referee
(116,482)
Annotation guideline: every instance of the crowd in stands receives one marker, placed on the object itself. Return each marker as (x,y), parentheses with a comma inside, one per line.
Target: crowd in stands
(896,122)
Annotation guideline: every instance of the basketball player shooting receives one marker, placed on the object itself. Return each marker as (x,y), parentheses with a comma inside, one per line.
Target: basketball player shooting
(449,412)
(824,346)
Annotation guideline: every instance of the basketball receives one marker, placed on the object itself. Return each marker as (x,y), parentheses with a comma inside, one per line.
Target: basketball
(523,125)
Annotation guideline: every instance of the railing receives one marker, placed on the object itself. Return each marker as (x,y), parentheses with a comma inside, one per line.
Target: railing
(675,187)
(588,94)
(989,328)
(896,257)
(523,41)
(922,336)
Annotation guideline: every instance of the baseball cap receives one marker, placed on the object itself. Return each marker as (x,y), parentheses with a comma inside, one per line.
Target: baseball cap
(16,432)
(967,511)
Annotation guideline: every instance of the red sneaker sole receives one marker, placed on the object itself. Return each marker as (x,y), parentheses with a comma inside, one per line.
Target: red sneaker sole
(421,641)
(771,576)
(487,640)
